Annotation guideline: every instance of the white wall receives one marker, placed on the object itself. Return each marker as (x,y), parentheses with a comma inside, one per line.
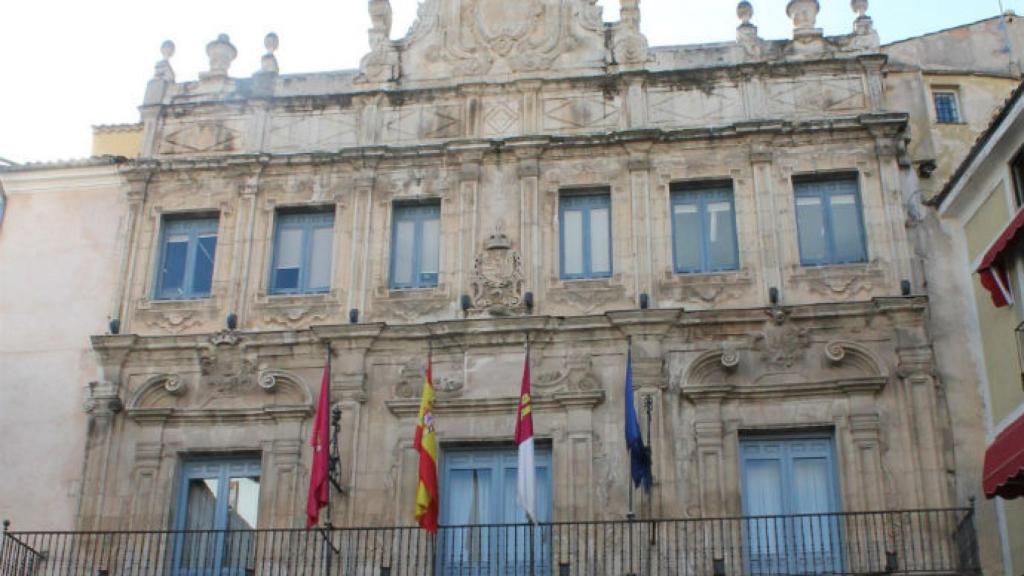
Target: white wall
(59,257)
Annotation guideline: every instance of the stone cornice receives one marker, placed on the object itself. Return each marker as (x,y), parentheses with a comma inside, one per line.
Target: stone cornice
(889,123)
(612,325)
(218,416)
(789,390)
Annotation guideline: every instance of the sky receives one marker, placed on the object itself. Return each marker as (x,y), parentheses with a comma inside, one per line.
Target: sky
(66,65)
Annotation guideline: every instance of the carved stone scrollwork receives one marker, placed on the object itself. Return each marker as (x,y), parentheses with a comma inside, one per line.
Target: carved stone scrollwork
(498,277)
(412,376)
(835,352)
(730,359)
(175,385)
(577,376)
(781,343)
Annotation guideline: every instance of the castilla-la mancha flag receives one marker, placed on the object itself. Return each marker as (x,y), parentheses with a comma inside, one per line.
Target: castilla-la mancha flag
(526,480)
(319,482)
(426,445)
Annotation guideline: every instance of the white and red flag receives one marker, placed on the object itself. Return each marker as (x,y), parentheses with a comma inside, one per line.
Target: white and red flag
(526,480)
(319,475)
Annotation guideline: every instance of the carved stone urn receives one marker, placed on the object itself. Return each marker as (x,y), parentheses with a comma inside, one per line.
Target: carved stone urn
(221,53)
(804,14)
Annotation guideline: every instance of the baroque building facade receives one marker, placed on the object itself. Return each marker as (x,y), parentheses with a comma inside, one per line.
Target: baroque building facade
(513,172)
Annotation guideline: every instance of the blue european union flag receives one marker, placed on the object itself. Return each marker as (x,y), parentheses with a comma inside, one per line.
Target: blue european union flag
(639,455)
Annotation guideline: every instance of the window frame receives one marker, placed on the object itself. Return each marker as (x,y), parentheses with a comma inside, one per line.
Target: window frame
(317,218)
(418,212)
(588,200)
(703,193)
(1017,177)
(830,249)
(952,92)
(195,226)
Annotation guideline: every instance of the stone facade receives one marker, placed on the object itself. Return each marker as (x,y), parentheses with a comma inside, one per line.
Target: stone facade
(494,110)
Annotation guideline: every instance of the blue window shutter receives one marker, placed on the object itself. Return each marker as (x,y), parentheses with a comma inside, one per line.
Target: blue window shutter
(585,243)
(830,222)
(704,229)
(187,257)
(303,253)
(781,478)
(415,245)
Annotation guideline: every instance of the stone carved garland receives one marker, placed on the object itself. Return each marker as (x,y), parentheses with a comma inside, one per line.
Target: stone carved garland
(577,376)
(498,282)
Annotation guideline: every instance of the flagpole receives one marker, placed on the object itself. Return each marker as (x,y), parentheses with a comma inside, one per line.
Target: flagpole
(328,543)
(630,488)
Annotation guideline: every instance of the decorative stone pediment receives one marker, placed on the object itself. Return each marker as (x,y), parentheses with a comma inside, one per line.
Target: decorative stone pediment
(486,38)
(165,396)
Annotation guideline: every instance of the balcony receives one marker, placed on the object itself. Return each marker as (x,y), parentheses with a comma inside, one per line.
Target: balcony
(941,542)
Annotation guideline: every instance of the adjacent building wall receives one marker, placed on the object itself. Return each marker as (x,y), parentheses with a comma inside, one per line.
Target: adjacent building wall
(59,253)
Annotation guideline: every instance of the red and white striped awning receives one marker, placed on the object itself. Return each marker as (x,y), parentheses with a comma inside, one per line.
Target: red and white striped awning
(992,268)
(1004,463)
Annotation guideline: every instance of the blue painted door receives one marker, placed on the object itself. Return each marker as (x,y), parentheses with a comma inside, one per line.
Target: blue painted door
(483,527)
(789,491)
(218,505)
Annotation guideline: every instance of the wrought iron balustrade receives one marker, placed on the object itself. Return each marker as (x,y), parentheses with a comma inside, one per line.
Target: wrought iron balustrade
(895,542)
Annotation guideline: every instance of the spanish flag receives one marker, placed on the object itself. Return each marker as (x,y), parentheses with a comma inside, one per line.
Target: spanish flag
(426,445)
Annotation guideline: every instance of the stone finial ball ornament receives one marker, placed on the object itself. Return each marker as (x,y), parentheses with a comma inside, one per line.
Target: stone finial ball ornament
(745,11)
(167,49)
(271,42)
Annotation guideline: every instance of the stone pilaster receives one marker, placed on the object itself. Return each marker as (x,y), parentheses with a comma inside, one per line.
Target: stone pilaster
(765,202)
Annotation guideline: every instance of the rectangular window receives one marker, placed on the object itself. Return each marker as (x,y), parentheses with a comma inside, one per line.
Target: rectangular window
(947,107)
(478,502)
(704,229)
(586,242)
(218,506)
(303,252)
(188,248)
(415,245)
(790,497)
(830,226)
(1017,169)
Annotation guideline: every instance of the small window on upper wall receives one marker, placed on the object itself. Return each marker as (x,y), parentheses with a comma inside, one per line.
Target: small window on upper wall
(704,228)
(188,249)
(303,252)
(947,106)
(1017,169)
(830,226)
(415,245)
(586,240)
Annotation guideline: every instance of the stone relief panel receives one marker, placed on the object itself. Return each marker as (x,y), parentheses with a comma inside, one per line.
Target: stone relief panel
(719,104)
(501,117)
(814,95)
(580,112)
(313,131)
(203,136)
(412,123)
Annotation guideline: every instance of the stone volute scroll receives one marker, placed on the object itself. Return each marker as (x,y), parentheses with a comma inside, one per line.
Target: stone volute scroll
(498,281)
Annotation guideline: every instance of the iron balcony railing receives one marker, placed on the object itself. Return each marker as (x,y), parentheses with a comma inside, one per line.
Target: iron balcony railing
(894,542)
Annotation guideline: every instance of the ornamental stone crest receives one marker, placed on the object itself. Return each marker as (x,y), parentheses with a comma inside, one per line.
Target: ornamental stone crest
(498,277)
(490,37)
(781,343)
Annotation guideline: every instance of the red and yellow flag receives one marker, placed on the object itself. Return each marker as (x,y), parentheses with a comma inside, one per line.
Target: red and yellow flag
(426,445)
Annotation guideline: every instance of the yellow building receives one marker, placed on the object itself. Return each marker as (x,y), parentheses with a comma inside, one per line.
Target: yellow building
(117,140)
(981,208)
